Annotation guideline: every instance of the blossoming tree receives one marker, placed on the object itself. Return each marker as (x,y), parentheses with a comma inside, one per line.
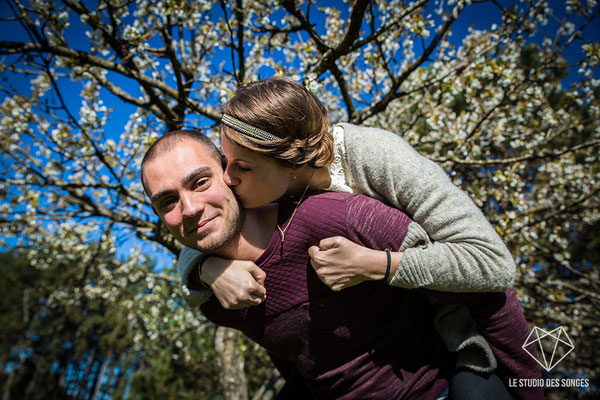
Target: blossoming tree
(509,108)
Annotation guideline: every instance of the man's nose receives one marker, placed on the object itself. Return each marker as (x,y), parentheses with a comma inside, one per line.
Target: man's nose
(228,178)
(191,205)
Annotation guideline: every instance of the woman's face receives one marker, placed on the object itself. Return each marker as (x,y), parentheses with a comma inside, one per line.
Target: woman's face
(256,179)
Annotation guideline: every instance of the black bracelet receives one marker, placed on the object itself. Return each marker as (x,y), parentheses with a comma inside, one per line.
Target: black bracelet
(388,266)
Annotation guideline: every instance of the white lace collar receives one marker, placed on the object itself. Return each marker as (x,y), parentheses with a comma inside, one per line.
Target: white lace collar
(340,180)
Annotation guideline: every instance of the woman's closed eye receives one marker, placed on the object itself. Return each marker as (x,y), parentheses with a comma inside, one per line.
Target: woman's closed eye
(237,166)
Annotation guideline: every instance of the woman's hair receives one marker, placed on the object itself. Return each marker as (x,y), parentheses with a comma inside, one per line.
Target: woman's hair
(286,109)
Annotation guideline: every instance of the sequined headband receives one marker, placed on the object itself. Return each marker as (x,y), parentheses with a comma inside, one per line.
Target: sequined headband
(247,129)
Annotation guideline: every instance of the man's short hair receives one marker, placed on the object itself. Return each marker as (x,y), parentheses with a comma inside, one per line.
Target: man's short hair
(166,143)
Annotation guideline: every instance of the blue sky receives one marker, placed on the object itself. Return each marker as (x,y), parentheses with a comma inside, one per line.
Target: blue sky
(480,16)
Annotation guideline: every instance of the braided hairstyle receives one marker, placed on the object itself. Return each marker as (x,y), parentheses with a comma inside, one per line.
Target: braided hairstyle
(286,109)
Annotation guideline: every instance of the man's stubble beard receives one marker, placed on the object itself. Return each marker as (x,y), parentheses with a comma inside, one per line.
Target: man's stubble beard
(231,232)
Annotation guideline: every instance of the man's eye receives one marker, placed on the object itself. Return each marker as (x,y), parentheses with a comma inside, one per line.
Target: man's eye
(167,204)
(245,169)
(201,183)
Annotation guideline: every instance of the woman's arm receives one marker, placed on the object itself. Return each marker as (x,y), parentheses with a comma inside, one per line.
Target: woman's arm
(497,315)
(466,253)
(340,263)
(236,284)
(187,266)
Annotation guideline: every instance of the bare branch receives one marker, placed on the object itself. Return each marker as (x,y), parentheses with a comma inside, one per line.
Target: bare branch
(393,92)
(513,160)
(84,59)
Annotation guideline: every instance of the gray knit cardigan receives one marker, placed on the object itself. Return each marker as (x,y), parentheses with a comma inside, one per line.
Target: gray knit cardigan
(465,253)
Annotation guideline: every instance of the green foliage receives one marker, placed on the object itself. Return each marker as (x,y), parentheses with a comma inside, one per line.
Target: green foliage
(585,245)
(459,104)
(14,302)
(530,57)
(55,343)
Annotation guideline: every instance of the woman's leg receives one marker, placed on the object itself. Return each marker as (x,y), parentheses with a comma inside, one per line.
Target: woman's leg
(470,385)
(295,388)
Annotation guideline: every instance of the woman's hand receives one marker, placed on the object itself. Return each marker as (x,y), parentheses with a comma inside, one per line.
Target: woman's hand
(236,284)
(341,263)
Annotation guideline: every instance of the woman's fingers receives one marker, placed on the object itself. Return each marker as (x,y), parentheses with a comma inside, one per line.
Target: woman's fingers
(239,285)
(332,242)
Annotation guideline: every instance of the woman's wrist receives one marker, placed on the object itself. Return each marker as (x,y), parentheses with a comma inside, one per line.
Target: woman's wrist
(396,259)
(370,264)
(195,278)
(377,262)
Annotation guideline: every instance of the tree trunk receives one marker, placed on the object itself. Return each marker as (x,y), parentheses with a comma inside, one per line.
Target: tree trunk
(29,390)
(99,378)
(231,364)
(270,388)
(8,383)
(124,364)
(83,381)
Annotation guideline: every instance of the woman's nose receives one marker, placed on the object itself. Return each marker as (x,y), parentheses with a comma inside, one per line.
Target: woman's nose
(229,178)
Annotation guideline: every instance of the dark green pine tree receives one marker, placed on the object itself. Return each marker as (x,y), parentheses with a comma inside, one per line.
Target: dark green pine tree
(83,348)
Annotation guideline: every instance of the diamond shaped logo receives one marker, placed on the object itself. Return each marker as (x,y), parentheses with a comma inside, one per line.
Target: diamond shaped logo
(552,346)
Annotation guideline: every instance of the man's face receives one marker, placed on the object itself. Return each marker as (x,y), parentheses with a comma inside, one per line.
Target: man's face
(187,191)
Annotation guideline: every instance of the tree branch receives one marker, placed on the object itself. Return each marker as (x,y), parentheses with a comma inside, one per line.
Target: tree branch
(397,83)
(512,160)
(84,59)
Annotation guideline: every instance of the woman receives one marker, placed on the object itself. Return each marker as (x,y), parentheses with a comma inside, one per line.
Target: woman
(301,152)
(277,140)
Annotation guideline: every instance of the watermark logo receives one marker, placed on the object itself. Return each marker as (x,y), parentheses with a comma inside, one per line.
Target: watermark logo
(552,346)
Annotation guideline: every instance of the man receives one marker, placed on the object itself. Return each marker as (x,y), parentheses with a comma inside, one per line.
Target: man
(370,341)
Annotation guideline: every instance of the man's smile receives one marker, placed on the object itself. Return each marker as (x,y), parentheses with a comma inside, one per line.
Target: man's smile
(201,225)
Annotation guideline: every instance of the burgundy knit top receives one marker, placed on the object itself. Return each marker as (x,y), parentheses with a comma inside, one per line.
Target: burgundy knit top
(370,341)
